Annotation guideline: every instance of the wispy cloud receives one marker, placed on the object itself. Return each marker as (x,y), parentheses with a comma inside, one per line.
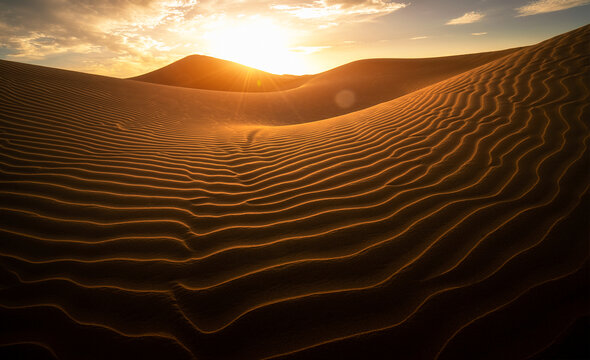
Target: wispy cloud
(479,33)
(112,32)
(419,37)
(467,18)
(545,6)
(333,10)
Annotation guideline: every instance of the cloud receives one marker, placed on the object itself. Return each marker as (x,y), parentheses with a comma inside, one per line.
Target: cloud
(333,10)
(419,37)
(327,25)
(467,18)
(545,6)
(36,29)
(479,33)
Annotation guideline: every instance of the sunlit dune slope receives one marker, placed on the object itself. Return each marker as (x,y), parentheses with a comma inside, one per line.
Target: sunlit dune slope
(140,220)
(204,72)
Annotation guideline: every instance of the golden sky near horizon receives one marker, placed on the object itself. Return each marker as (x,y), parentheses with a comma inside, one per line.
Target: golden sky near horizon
(129,37)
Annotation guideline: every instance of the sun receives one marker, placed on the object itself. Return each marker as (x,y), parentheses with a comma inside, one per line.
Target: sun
(256,42)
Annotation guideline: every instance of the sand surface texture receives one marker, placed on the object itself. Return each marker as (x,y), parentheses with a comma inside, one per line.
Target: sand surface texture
(402,209)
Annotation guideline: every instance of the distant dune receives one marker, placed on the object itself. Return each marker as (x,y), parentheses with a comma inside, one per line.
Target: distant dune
(205,72)
(386,209)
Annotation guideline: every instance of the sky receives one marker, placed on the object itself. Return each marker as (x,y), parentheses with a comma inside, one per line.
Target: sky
(125,38)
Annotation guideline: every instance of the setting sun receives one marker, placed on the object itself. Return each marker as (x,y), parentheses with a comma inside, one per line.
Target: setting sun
(256,42)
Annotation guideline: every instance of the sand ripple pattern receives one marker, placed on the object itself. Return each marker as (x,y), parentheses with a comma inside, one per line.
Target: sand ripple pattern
(415,228)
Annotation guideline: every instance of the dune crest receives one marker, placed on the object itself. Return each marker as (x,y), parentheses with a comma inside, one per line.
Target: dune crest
(208,73)
(164,222)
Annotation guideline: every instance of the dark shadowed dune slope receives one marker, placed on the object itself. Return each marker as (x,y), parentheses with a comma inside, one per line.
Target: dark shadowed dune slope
(140,220)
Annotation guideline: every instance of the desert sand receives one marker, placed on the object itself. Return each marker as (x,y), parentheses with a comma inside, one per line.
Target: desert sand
(389,208)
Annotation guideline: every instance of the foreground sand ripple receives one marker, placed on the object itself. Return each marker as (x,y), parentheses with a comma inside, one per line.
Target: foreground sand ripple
(418,228)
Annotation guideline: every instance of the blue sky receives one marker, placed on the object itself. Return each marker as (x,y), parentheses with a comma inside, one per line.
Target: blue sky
(129,37)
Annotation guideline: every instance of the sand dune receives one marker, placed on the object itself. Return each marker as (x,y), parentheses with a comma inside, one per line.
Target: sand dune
(446,218)
(205,72)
